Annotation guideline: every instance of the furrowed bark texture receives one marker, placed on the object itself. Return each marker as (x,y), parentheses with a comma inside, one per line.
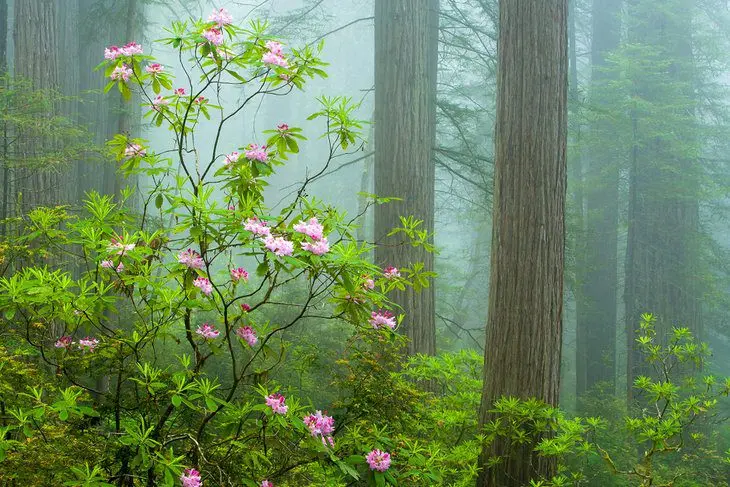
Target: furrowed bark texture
(406,43)
(522,352)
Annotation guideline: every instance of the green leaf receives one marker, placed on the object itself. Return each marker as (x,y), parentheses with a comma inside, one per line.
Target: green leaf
(176,400)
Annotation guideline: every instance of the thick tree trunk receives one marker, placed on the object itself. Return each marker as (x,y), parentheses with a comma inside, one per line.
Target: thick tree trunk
(522,353)
(406,43)
(662,248)
(597,288)
(35,34)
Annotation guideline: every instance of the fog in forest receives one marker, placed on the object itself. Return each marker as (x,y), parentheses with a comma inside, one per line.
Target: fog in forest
(180,305)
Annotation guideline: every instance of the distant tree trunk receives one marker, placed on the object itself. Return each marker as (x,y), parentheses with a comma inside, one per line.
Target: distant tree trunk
(36,36)
(598,286)
(524,326)
(406,43)
(3,36)
(663,227)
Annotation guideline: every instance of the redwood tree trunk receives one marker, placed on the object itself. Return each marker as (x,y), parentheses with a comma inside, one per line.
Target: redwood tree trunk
(406,43)
(35,34)
(597,288)
(524,326)
(662,255)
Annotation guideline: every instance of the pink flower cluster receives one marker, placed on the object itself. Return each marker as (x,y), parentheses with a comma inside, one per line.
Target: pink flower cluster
(267,483)
(238,274)
(257,227)
(231,158)
(134,150)
(158,102)
(180,92)
(109,264)
(155,69)
(381,318)
(120,247)
(64,342)
(256,153)
(378,460)
(221,17)
(121,73)
(214,36)
(319,247)
(208,332)
(276,403)
(88,343)
(282,127)
(190,258)
(247,334)
(368,283)
(275,55)
(279,245)
(191,478)
(391,272)
(322,426)
(312,228)
(129,49)
(204,285)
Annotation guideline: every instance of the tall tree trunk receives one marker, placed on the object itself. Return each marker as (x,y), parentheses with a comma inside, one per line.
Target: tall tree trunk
(662,247)
(3,36)
(35,34)
(524,325)
(406,43)
(597,308)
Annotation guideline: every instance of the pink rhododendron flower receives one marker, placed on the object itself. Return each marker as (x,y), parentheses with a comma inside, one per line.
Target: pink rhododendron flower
(378,460)
(368,283)
(256,153)
(231,158)
(155,68)
(120,247)
(391,272)
(245,308)
(320,247)
(64,342)
(247,334)
(134,150)
(274,59)
(112,52)
(180,91)
(257,227)
(282,127)
(266,483)
(312,228)
(232,207)
(276,403)
(214,36)
(88,343)
(279,245)
(108,264)
(206,331)
(191,478)
(204,285)
(121,72)
(322,426)
(158,101)
(131,48)
(200,100)
(221,17)
(274,48)
(238,274)
(191,259)
(381,318)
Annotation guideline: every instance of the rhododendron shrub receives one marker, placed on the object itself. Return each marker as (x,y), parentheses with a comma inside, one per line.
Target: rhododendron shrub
(161,331)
